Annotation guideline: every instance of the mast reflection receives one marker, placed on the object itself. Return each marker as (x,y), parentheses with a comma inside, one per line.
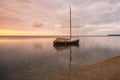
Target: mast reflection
(61,48)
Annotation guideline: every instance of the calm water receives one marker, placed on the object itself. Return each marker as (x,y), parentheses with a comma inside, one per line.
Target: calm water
(38,59)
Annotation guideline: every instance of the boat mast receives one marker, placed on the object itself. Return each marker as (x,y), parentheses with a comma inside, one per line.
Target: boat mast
(70,24)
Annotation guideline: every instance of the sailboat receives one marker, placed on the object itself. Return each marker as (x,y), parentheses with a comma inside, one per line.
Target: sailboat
(66,41)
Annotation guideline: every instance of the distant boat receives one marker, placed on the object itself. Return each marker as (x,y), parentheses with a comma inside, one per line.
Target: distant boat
(66,41)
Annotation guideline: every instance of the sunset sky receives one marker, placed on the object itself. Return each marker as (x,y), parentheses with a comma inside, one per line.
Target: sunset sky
(51,17)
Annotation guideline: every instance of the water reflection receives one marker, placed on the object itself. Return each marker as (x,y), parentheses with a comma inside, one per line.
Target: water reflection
(61,48)
(38,59)
(38,45)
(70,65)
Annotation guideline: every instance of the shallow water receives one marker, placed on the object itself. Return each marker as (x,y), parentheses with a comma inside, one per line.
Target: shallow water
(38,59)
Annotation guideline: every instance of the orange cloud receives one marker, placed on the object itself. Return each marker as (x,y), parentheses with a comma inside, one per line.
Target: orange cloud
(26,33)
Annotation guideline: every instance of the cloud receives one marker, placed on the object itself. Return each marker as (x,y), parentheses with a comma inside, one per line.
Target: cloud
(96,11)
(10,22)
(55,14)
(38,25)
(106,31)
(24,1)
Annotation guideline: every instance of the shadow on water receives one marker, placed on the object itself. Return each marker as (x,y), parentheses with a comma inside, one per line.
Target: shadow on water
(61,48)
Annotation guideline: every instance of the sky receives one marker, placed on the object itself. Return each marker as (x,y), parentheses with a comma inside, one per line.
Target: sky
(51,17)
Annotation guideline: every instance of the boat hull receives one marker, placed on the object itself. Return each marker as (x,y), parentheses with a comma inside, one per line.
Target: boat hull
(75,42)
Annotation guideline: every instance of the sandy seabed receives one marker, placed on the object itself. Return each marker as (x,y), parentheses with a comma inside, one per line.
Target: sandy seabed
(106,70)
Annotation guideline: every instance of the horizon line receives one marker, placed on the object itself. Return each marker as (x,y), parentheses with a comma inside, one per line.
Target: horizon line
(51,35)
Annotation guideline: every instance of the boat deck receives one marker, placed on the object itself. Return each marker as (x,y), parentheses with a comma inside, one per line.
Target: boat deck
(62,40)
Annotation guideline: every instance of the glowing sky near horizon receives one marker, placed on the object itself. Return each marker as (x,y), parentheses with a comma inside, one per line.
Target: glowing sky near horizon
(51,17)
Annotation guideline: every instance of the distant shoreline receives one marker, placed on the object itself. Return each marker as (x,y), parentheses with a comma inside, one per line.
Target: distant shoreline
(114,35)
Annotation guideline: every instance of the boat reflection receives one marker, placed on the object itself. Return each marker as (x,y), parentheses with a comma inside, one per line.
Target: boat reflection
(61,48)
(64,47)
